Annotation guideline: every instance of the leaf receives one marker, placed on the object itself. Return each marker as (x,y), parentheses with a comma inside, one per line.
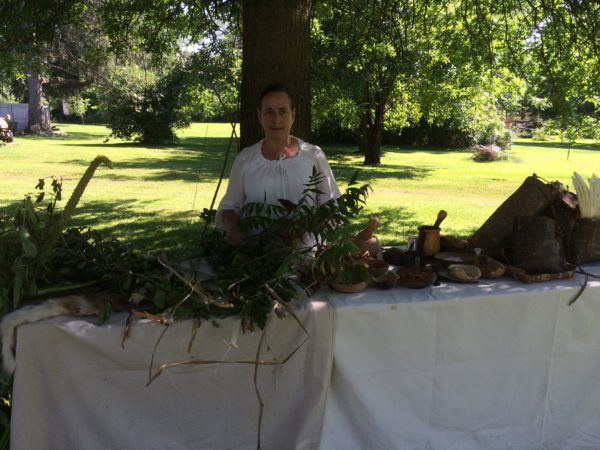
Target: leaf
(160,298)
(18,281)
(288,205)
(29,247)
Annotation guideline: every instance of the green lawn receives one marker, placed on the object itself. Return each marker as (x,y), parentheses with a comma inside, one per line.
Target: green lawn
(153,195)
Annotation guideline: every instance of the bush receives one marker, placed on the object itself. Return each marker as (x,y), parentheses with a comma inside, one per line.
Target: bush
(541,134)
(150,114)
(505,140)
(423,133)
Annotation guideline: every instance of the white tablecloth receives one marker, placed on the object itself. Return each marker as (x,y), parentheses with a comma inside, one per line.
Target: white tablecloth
(493,365)
(499,365)
(75,388)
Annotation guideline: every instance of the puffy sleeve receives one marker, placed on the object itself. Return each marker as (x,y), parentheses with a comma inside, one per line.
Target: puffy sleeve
(327,186)
(234,196)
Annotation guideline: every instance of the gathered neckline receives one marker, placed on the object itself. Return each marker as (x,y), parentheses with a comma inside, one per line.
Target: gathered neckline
(282,156)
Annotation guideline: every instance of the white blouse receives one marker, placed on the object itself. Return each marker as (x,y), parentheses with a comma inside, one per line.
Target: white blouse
(254,178)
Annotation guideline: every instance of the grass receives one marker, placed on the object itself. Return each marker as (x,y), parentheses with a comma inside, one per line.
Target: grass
(153,196)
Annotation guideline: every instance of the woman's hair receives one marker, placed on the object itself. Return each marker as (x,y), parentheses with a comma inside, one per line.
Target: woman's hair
(275,87)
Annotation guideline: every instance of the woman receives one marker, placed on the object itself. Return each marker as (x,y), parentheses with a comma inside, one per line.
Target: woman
(277,167)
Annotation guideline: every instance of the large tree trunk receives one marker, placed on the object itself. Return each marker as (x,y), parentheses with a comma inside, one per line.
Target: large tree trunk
(38,120)
(276,47)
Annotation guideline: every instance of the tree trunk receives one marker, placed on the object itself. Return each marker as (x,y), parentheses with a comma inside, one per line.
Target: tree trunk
(276,48)
(373,150)
(38,119)
(370,135)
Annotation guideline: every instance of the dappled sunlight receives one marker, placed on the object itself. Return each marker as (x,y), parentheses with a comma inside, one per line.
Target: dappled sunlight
(154,193)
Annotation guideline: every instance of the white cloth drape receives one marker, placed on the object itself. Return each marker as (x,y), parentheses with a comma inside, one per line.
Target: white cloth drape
(75,388)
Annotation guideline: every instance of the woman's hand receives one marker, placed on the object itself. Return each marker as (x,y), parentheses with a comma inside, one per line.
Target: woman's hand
(233,235)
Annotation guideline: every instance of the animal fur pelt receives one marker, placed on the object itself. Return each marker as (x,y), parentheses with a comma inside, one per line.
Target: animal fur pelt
(77,304)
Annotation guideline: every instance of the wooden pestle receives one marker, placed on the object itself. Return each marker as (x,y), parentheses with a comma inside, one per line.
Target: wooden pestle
(367,232)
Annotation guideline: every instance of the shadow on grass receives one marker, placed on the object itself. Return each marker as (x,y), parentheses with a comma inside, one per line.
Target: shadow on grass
(201,158)
(350,153)
(344,160)
(561,145)
(82,136)
(146,233)
(140,231)
(366,174)
(189,163)
(169,231)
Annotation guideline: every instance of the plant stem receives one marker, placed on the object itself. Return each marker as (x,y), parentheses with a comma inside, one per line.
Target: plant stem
(70,287)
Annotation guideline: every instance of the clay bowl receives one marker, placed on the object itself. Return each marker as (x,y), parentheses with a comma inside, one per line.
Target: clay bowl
(415,277)
(375,267)
(386,281)
(448,258)
(348,288)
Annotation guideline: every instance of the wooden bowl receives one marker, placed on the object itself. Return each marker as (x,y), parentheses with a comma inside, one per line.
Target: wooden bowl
(348,288)
(375,267)
(386,281)
(415,277)
(464,272)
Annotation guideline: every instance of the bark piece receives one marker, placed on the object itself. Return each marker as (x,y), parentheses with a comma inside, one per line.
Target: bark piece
(532,198)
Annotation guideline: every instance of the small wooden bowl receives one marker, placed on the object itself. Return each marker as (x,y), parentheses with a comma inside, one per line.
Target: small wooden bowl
(416,278)
(464,272)
(375,267)
(386,281)
(348,288)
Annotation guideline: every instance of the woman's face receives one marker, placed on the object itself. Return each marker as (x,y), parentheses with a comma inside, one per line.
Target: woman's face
(276,115)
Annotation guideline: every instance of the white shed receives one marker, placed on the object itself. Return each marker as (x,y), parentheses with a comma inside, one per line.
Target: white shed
(19,113)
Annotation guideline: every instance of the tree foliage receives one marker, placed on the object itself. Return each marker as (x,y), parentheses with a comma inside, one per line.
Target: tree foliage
(377,65)
(460,64)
